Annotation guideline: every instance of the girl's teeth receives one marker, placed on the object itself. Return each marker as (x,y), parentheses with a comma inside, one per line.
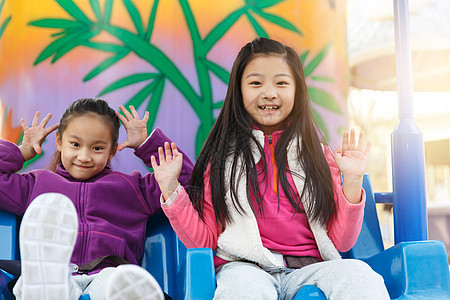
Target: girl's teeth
(269,107)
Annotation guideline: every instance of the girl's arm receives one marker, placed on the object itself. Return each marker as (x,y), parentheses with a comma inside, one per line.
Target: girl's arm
(190,228)
(15,188)
(146,146)
(349,162)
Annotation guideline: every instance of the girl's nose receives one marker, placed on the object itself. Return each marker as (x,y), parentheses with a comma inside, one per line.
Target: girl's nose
(270,93)
(84,156)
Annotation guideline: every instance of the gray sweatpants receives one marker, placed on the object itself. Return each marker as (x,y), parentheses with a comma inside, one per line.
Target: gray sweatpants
(338,279)
(94,285)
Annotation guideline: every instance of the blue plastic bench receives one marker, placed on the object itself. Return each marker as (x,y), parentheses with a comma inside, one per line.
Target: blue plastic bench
(411,270)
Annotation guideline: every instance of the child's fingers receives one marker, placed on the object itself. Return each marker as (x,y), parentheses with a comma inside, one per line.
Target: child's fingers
(36,119)
(51,129)
(162,158)
(168,151)
(125,112)
(345,141)
(153,162)
(361,141)
(23,124)
(122,146)
(45,120)
(146,116)
(134,112)
(352,144)
(121,118)
(37,149)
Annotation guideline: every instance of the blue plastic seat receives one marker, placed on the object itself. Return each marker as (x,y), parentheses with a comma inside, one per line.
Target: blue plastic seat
(411,270)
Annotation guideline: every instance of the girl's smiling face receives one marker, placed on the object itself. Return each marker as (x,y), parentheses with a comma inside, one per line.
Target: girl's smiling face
(86,146)
(268,92)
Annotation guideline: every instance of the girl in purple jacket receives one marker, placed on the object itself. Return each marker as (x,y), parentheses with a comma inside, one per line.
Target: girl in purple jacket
(81,210)
(267,195)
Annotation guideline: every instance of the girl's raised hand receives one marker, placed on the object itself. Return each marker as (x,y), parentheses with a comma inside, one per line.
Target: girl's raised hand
(34,136)
(169,168)
(352,158)
(136,128)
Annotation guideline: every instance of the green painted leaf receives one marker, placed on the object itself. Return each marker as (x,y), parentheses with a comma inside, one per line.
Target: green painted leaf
(191,24)
(323,99)
(259,30)
(1,5)
(218,105)
(316,60)
(158,60)
(73,43)
(53,47)
(72,9)
(277,20)
(219,71)
(151,21)
(3,26)
(128,80)
(56,23)
(135,17)
(96,9)
(153,104)
(303,56)
(107,11)
(323,78)
(262,3)
(218,32)
(107,47)
(105,65)
(321,123)
(140,96)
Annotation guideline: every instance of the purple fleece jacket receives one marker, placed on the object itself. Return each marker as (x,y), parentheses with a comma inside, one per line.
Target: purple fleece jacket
(112,207)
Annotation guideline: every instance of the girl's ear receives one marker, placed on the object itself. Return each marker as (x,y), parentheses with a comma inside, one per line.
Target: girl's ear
(58,142)
(113,152)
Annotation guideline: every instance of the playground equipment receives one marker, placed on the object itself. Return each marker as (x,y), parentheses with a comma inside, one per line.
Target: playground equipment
(410,269)
(413,269)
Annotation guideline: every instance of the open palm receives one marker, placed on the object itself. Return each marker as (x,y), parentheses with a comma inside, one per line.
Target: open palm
(169,168)
(352,157)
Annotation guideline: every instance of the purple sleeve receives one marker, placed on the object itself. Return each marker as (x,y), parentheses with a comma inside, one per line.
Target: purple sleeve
(14,188)
(149,184)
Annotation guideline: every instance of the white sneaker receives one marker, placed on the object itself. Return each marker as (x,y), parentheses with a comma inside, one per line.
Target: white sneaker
(48,233)
(131,282)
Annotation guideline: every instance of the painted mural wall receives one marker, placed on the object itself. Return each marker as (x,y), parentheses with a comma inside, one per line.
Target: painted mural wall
(169,57)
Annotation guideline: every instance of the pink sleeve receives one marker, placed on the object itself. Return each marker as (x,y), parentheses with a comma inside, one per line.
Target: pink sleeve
(345,227)
(185,220)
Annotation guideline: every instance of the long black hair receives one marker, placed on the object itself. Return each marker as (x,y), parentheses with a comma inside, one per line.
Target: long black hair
(83,107)
(231,137)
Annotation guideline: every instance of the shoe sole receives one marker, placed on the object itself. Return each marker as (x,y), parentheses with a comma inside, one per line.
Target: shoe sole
(47,236)
(130,282)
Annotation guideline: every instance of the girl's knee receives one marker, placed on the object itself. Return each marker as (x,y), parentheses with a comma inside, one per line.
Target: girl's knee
(245,281)
(361,271)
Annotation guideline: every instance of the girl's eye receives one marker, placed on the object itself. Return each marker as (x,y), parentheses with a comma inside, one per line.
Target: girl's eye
(75,144)
(255,83)
(282,83)
(97,148)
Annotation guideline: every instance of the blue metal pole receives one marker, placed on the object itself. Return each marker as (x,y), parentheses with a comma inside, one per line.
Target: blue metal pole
(408,167)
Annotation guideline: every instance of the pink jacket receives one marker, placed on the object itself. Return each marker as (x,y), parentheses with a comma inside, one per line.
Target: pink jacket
(241,239)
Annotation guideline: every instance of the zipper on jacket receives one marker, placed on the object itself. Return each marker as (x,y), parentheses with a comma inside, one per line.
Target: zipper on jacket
(82,215)
(274,166)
